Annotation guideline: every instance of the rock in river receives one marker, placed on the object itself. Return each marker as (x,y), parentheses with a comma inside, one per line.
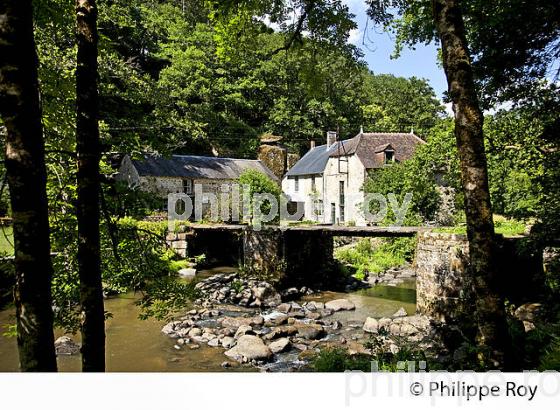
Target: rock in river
(400,313)
(309,331)
(65,346)
(371,325)
(279,345)
(249,348)
(340,304)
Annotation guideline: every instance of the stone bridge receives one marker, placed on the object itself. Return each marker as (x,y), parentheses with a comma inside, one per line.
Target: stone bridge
(292,255)
(303,256)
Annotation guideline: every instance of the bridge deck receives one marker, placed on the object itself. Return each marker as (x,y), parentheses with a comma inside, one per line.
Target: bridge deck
(333,230)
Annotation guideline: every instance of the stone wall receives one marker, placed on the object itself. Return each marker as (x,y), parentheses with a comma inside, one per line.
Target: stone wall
(441,262)
(289,258)
(443,289)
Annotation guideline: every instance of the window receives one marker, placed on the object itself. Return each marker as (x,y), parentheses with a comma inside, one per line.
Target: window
(296,184)
(341,200)
(187,186)
(313,186)
(319,208)
(389,156)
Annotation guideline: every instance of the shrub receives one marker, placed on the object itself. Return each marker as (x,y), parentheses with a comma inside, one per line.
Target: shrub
(366,258)
(259,183)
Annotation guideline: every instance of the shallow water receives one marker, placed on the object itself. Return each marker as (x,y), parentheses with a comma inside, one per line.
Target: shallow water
(379,301)
(135,345)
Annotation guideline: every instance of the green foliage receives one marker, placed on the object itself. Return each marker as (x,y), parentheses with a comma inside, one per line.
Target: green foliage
(338,360)
(259,183)
(165,296)
(365,257)
(6,240)
(396,104)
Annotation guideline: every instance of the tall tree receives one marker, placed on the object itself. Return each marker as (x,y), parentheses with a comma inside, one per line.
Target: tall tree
(474,175)
(25,167)
(88,180)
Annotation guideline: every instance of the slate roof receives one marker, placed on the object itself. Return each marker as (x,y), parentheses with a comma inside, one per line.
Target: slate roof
(368,147)
(198,167)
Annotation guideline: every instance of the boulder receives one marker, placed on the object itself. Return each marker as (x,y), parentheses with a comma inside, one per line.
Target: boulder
(309,331)
(283,307)
(243,330)
(400,313)
(249,348)
(314,305)
(384,323)
(228,342)
(340,304)
(371,325)
(65,346)
(170,328)
(214,342)
(279,345)
(235,322)
(195,332)
(257,320)
(281,331)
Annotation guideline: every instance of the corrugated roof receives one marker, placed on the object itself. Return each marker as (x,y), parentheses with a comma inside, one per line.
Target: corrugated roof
(198,167)
(365,145)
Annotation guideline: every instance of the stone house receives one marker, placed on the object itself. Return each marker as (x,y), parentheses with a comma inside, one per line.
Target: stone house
(328,180)
(181,173)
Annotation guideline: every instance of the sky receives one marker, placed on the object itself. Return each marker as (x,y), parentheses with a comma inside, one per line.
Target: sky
(378,46)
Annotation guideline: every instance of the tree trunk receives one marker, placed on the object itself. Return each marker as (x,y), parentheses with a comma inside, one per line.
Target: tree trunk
(26,173)
(490,313)
(88,152)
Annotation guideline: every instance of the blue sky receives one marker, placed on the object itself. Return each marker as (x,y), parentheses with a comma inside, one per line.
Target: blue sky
(378,47)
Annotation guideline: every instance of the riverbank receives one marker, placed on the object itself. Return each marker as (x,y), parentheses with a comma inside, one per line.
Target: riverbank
(139,345)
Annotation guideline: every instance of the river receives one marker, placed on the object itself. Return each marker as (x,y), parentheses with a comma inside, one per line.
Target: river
(135,345)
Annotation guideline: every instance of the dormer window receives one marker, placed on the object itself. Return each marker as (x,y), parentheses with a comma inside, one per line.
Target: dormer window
(389,156)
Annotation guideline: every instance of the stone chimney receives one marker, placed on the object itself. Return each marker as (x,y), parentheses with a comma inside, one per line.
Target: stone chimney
(331,138)
(312,144)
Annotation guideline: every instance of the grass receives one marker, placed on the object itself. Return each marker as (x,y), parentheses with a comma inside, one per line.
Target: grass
(502,225)
(6,240)
(365,257)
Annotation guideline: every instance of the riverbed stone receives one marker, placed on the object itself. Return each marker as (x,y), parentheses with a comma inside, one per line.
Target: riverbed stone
(279,345)
(400,313)
(281,331)
(243,330)
(227,342)
(284,307)
(187,273)
(170,328)
(194,332)
(257,320)
(340,304)
(235,322)
(65,346)
(385,322)
(371,325)
(215,342)
(309,331)
(249,348)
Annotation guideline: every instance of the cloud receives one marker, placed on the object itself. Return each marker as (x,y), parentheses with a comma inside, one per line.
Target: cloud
(355,36)
(449,109)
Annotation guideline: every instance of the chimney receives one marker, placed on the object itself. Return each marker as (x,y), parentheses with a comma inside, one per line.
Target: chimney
(312,144)
(331,138)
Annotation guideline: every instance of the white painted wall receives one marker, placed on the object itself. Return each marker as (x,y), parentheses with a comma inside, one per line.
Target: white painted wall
(350,171)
